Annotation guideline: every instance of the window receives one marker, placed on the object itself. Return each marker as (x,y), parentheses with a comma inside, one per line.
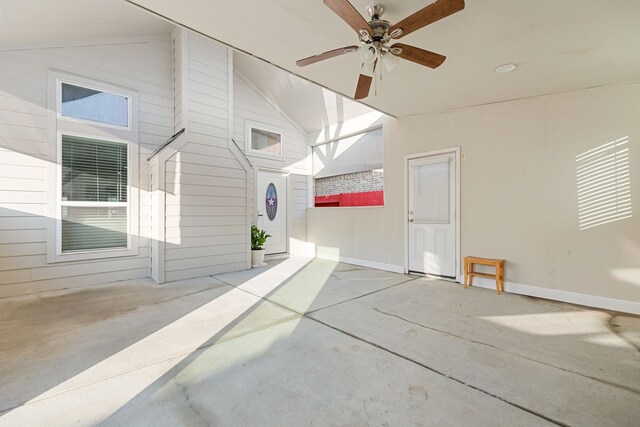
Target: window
(264,140)
(350,171)
(94,194)
(95,173)
(93,105)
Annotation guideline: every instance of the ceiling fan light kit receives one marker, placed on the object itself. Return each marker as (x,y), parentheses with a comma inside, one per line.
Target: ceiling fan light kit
(369,54)
(389,62)
(376,34)
(368,69)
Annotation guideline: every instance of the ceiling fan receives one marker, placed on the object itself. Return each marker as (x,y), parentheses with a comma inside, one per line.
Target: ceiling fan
(376,35)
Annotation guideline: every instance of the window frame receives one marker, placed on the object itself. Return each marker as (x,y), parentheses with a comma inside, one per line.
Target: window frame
(57,126)
(249,126)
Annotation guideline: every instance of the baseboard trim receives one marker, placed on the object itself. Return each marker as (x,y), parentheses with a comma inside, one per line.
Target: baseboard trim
(623,306)
(365,263)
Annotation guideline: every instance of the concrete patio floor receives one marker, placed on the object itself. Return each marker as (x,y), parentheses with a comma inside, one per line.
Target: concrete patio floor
(313,342)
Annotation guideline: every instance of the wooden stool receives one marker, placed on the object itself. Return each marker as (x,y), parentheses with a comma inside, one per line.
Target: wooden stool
(469,273)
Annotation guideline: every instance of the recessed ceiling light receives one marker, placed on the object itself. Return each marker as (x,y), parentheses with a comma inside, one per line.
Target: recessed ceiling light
(506,68)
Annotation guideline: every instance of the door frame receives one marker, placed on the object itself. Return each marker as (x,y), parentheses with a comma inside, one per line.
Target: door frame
(288,207)
(434,153)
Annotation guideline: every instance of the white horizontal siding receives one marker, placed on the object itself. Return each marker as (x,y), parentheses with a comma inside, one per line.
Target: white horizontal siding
(174,166)
(206,228)
(144,67)
(250,106)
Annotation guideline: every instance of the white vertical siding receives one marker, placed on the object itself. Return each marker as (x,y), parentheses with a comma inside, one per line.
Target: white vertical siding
(144,67)
(206,224)
(177,77)
(251,106)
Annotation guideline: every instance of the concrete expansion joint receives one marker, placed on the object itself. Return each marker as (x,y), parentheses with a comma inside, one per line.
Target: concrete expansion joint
(422,365)
(179,297)
(264,298)
(600,380)
(360,296)
(371,343)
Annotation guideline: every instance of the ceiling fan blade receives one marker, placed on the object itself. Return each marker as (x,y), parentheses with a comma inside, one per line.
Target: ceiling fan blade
(326,55)
(428,15)
(419,56)
(349,14)
(364,84)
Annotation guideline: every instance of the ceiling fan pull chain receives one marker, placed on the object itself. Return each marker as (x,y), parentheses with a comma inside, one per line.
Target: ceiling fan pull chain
(375,83)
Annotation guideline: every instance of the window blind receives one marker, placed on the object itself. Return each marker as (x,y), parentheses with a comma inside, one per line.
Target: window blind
(89,228)
(94,194)
(431,193)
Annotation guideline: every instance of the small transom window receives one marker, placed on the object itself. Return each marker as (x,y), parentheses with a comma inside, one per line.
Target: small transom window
(83,103)
(264,141)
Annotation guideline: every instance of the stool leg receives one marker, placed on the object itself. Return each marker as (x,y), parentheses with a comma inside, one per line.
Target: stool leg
(502,277)
(470,275)
(466,272)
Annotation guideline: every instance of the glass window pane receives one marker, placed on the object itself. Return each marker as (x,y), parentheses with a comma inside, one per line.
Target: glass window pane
(89,104)
(86,228)
(431,193)
(269,142)
(93,171)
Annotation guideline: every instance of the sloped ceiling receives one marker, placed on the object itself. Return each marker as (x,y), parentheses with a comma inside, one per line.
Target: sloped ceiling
(311,106)
(60,20)
(559,45)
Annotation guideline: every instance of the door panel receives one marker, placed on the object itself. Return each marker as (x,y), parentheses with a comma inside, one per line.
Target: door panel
(432,226)
(271,201)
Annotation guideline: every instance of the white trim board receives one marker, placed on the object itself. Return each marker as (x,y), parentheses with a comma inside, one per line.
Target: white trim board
(365,263)
(240,156)
(562,296)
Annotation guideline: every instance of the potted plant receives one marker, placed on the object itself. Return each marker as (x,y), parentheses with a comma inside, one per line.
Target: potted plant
(258,238)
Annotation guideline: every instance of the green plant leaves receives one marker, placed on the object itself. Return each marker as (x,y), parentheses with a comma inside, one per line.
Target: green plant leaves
(258,238)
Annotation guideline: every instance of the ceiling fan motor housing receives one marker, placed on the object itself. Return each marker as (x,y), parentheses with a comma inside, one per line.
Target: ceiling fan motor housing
(377,24)
(379,27)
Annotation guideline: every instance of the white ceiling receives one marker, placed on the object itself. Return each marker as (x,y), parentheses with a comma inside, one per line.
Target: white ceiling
(559,45)
(310,106)
(27,21)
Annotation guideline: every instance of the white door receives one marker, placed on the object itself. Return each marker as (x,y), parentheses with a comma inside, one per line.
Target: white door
(272,209)
(432,215)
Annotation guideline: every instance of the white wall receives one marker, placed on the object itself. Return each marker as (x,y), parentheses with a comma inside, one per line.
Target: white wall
(519,192)
(144,67)
(206,186)
(251,106)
